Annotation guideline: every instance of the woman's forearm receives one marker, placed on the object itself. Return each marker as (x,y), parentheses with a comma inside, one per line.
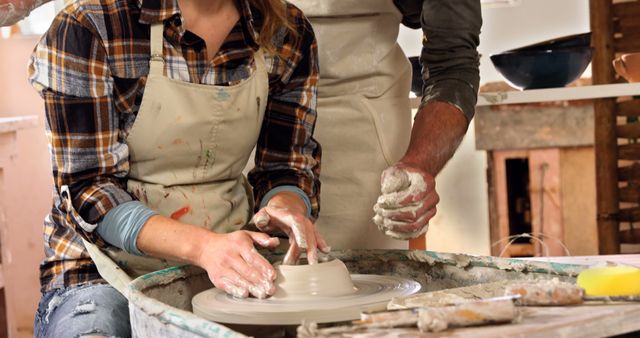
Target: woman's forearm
(163,237)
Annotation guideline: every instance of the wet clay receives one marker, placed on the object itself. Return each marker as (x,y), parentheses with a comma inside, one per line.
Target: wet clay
(321,293)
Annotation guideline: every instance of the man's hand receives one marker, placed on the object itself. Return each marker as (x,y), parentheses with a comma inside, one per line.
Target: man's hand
(286,213)
(407,203)
(12,11)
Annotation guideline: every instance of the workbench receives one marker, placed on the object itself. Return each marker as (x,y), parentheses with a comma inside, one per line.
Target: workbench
(12,269)
(569,321)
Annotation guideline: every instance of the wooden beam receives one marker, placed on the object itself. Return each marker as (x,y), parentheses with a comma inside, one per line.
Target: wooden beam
(629,152)
(630,236)
(626,10)
(629,194)
(627,43)
(629,215)
(419,243)
(521,250)
(629,173)
(628,108)
(605,122)
(629,130)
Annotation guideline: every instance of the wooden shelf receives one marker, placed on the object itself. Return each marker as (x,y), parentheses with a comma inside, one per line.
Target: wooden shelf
(11,124)
(552,94)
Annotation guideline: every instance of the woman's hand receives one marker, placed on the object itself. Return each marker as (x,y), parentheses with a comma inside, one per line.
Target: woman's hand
(286,212)
(235,266)
(231,260)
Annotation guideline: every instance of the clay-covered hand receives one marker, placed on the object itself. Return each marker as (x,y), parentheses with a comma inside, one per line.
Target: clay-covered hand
(407,203)
(12,11)
(286,213)
(235,266)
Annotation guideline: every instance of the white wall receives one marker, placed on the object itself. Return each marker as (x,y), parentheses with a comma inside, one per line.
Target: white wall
(462,223)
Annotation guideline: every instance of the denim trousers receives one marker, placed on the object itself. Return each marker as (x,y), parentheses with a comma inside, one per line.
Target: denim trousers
(83,311)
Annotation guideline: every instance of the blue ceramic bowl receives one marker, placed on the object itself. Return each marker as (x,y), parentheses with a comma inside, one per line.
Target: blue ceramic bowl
(569,41)
(532,69)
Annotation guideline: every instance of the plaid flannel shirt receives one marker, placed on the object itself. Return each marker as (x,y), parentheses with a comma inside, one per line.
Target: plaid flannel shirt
(90,68)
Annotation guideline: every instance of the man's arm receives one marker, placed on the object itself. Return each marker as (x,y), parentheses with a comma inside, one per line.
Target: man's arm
(451,79)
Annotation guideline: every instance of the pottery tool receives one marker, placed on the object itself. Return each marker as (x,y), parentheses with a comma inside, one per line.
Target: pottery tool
(428,319)
(321,293)
(555,293)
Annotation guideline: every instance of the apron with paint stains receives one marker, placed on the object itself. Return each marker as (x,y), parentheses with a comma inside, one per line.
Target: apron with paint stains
(188,146)
(364,115)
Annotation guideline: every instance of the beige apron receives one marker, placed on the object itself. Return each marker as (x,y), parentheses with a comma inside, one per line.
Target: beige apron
(364,115)
(188,146)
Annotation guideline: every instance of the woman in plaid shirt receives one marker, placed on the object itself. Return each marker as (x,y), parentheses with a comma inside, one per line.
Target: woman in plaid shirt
(153,108)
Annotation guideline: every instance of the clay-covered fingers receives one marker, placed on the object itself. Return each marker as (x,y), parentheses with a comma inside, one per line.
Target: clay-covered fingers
(407,203)
(404,229)
(410,212)
(234,264)
(300,229)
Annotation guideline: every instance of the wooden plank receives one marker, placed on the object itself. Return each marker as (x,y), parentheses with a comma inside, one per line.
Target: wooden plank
(530,127)
(521,250)
(630,236)
(626,10)
(586,321)
(494,220)
(628,108)
(419,243)
(630,194)
(578,189)
(627,43)
(500,236)
(633,260)
(600,14)
(629,130)
(629,173)
(627,23)
(546,201)
(597,90)
(629,152)
(12,124)
(629,215)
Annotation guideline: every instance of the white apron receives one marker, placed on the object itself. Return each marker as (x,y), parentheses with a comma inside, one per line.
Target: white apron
(364,114)
(188,147)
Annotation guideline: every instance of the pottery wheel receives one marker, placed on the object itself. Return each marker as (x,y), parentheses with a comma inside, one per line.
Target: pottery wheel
(373,293)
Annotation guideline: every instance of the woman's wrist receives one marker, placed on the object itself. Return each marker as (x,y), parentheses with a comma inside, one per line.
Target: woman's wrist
(288,200)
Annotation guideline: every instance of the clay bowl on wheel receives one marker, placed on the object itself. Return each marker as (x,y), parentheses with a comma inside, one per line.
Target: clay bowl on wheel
(532,69)
(325,279)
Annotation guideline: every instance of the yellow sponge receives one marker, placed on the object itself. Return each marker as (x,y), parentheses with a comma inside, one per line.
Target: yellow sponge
(610,281)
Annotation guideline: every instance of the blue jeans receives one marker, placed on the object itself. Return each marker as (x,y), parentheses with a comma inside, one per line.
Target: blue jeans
(90,310)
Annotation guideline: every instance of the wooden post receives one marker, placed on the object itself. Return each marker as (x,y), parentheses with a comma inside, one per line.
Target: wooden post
(605,124)
(419,243)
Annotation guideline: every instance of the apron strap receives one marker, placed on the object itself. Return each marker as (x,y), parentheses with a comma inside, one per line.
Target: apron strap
(156,63)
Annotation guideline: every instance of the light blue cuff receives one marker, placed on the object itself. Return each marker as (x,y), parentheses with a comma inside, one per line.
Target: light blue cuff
(287,188)
(121,225)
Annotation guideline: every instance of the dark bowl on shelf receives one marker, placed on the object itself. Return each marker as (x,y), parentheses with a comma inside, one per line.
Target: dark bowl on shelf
(532,69)
(569,41)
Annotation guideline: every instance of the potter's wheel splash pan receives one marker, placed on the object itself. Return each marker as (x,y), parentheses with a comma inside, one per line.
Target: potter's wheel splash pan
(373,293)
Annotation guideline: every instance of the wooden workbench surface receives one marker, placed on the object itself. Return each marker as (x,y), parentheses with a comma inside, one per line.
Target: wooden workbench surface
(574,321)
(589,320)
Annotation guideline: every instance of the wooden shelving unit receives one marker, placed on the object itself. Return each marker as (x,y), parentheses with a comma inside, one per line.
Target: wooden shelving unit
(552,94)
(9,126)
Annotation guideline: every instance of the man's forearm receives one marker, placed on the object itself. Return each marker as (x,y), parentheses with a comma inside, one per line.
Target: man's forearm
(437,132)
